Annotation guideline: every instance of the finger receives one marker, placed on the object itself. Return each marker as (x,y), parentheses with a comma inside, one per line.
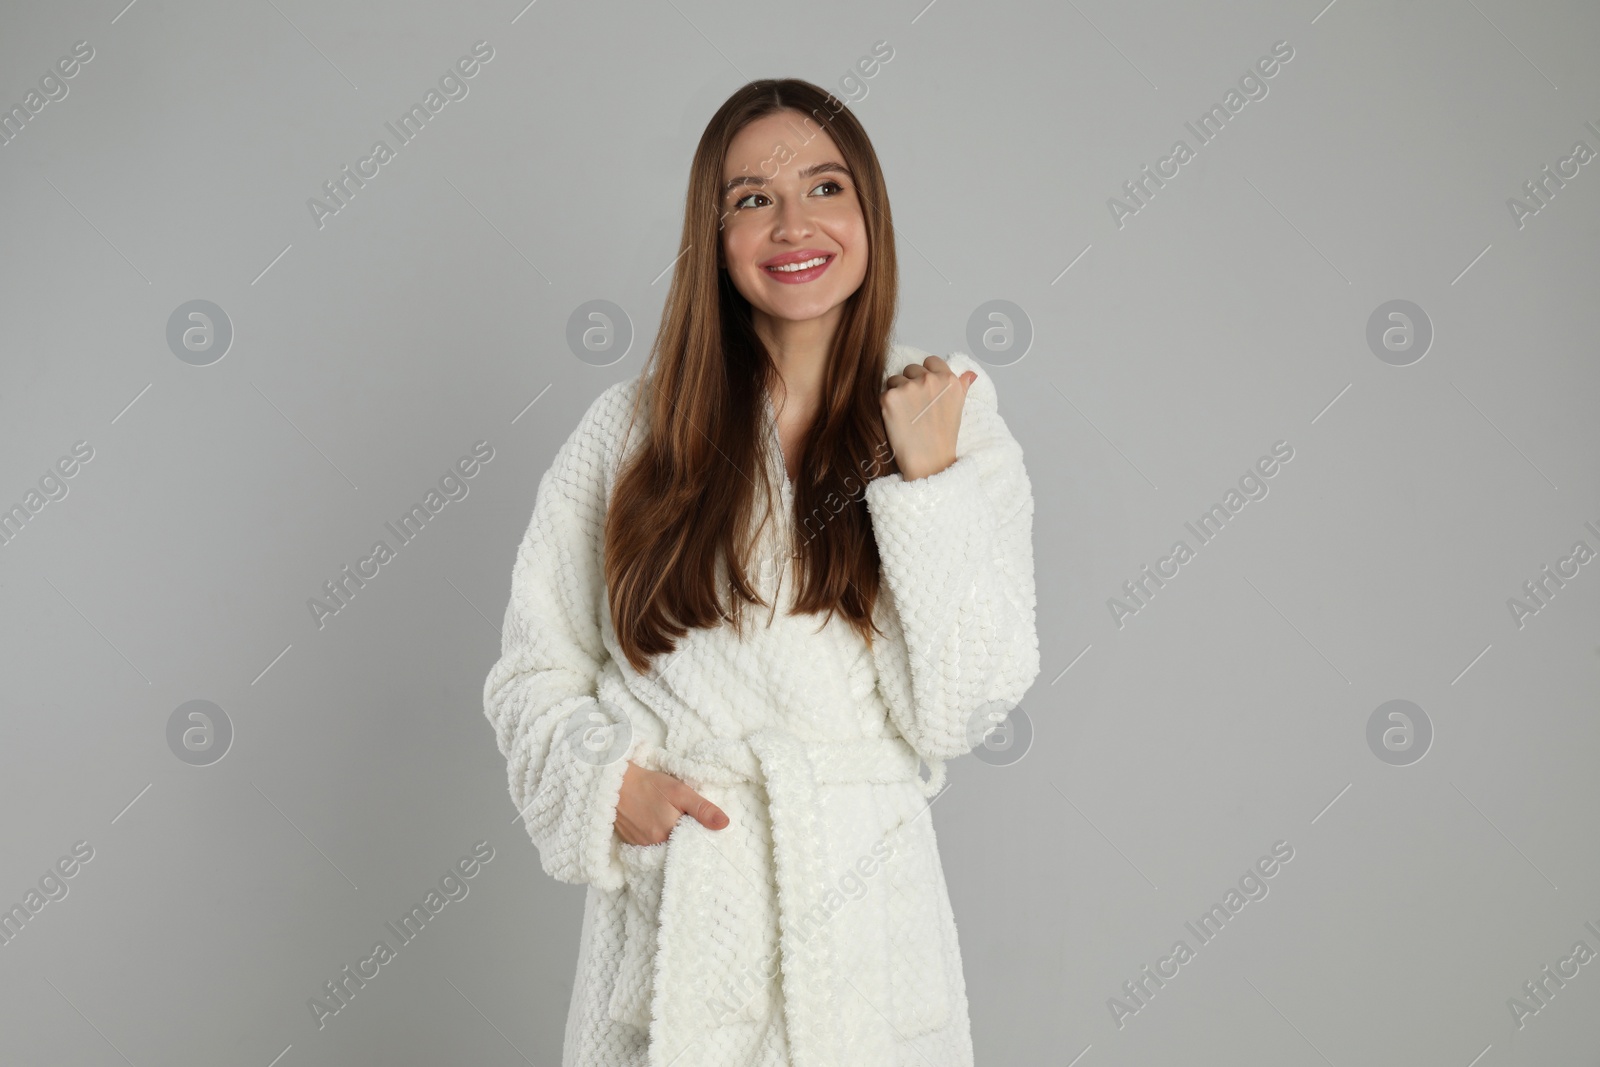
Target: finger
(914,371)
(894,381)
(706,813)
(937,365)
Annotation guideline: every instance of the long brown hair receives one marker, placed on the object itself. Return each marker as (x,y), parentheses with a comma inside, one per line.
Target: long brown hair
(684,502)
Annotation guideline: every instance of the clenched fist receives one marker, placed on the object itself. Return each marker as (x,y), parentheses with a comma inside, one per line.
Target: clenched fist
(650,804)
(922,413)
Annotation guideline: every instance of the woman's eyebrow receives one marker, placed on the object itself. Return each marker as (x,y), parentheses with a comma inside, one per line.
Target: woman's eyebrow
(804,172)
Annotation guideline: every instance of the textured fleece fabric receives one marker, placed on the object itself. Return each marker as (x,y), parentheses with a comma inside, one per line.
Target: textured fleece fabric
(815,930)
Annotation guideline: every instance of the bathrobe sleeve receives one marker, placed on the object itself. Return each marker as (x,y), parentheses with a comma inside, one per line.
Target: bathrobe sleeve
(543,687)
(956,551)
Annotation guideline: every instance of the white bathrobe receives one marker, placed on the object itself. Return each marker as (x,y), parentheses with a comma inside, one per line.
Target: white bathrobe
(815,930)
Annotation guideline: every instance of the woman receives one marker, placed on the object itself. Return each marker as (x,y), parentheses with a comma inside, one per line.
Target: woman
(768,456)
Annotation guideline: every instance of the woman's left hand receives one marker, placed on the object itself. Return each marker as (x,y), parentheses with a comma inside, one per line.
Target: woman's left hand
(922,413)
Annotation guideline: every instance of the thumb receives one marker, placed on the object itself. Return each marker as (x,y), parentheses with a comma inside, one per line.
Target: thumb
(706,813)
(967,378)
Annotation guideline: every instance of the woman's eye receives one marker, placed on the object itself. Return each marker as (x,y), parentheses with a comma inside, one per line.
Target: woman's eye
(744,201)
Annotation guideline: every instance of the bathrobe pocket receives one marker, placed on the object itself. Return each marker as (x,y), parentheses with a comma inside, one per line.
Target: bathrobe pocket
(643,867)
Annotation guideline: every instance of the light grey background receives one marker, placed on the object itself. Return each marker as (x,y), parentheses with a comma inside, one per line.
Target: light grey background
(1228,314)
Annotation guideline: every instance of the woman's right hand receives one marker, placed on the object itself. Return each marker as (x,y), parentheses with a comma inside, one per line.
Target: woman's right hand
(650,804)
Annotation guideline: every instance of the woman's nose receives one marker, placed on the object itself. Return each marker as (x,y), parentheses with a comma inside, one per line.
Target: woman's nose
(794,219)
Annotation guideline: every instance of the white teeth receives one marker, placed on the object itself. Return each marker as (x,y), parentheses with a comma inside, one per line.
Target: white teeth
(807,265)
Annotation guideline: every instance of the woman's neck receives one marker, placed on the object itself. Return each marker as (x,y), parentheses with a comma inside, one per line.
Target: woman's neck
(800,350)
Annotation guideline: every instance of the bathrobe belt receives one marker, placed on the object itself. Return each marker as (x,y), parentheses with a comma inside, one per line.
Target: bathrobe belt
(791,770)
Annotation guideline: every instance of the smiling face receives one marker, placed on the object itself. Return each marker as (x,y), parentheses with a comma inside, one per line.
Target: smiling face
(785,203)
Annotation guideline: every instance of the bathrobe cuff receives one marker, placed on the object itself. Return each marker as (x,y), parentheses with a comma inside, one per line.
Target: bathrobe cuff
(573,813)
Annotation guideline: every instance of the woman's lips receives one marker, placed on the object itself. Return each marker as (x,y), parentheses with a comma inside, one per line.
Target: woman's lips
(791,276)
